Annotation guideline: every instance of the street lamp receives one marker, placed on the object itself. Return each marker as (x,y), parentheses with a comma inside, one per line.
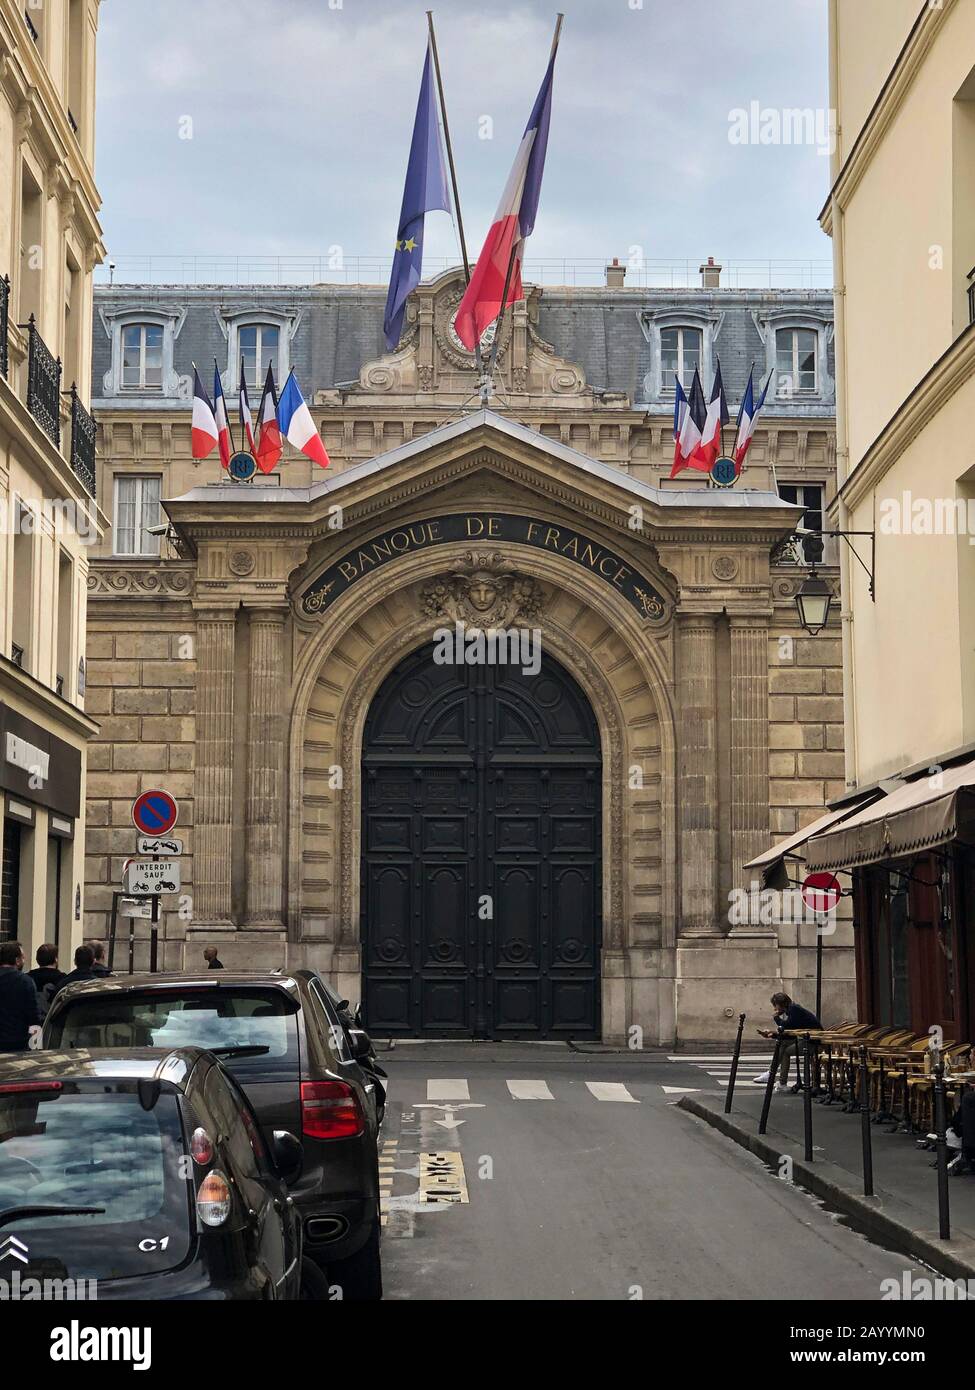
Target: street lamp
(813,601)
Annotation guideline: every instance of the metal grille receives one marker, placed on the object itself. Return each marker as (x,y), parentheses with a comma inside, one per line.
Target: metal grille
(43,384)
(4,323)
(84,430)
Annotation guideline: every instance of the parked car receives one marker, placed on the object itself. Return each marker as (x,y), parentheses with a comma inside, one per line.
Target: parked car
(280,1035)
(144,1169)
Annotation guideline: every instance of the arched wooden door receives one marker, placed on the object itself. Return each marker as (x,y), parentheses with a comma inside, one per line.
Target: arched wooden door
(481,853)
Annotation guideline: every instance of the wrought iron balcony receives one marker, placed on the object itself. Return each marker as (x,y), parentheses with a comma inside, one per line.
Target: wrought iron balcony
(971,295)
(43,384)
(4,324)
(31,27)
(84,431)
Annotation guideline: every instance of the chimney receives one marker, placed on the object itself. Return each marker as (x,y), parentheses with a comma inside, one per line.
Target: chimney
(615,275)
(710,275)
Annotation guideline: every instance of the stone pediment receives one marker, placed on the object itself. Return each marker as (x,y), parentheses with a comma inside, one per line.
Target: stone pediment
(432,366)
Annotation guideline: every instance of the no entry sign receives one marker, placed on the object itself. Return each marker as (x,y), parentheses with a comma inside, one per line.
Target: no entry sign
(154,812)
(821,892)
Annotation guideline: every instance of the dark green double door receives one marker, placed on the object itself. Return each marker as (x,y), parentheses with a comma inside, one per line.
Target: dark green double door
(481,865)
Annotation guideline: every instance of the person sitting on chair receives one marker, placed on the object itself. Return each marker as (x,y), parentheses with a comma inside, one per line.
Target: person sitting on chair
(787,1016)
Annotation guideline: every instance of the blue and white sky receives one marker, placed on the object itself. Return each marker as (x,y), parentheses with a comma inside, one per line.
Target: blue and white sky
(302,112)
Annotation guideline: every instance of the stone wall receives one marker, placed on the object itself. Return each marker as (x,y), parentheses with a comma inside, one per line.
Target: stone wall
(141,690)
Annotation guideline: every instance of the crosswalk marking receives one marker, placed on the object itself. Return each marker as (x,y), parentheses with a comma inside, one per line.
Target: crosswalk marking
(717,1065)
(530,1090)
(610,1090)
(454,1088)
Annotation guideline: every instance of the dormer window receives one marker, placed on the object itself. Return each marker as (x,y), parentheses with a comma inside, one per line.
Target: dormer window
(796,366)
(143,342)
(259,348)
(142,357)
(681,351)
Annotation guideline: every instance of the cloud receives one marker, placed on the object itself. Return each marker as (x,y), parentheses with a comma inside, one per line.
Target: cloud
(300,114)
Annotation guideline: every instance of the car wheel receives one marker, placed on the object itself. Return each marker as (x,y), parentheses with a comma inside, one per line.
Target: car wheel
(360,1277)
(314,1284)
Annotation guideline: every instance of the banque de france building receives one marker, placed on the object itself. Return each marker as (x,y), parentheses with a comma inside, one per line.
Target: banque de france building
(480,849)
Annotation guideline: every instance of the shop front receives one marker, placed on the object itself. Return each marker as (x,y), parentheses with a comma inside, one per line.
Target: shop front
(910,856)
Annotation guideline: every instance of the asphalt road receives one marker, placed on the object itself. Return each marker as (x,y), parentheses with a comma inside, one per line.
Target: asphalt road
(605,1190)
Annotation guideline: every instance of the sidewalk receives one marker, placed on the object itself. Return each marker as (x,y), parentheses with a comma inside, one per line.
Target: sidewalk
(902,1214)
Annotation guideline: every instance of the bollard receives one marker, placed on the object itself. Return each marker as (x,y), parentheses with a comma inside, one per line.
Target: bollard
(940,1126)
(830,1088)
(772,1074)
(807,1102)
(734,1066)
(865,1125)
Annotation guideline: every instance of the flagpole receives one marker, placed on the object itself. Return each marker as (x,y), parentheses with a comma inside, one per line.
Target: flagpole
(487,375)
(450,148)
(230,428)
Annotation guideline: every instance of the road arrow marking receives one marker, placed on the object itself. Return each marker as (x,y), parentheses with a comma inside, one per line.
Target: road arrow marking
(448,1105)
(450,1123)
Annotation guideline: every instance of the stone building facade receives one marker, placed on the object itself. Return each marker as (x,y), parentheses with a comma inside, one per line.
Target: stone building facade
(469,849)
(50,243)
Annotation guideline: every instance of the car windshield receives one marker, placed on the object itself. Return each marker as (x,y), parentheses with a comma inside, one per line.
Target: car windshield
(82,1145)
(224,1019)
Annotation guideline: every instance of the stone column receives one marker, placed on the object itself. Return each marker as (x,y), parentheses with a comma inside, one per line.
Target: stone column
(266,721)
(214,768)
(749,741)
(697,774)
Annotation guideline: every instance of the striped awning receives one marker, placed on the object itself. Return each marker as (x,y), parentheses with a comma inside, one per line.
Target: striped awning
(929,811)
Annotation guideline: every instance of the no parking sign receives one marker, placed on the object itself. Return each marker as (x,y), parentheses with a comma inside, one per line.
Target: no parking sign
(154,812)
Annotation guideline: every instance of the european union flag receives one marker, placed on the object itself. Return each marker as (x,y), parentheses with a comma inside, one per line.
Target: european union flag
(425,191)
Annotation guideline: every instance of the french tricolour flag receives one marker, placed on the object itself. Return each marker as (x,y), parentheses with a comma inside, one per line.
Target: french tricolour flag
(268,429)
(513,224)
(690,418)
(296,423)
(220,415)
(203,431)
(747,418)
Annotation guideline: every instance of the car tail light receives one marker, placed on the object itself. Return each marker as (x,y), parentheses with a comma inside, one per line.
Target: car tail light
(201,1146)
(9,1088)
(213,1199)
(330,1110)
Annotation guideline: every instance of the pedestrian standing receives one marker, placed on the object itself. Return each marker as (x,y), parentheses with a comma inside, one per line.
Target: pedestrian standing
(19,1011)
(84,961)
(47,977)
(99,968)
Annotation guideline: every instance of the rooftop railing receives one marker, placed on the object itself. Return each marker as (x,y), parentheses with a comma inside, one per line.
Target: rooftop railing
(339,269)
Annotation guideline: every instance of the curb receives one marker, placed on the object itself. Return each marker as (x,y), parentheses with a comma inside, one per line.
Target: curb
(955,1258)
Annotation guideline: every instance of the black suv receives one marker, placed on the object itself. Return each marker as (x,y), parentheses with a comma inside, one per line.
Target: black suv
(145,1172)
(282,1037)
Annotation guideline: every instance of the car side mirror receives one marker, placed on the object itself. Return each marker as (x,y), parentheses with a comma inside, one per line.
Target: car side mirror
(288,1156)
(361,1043)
